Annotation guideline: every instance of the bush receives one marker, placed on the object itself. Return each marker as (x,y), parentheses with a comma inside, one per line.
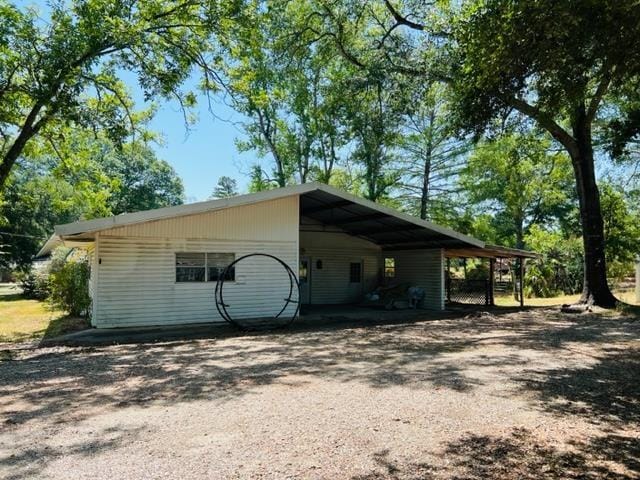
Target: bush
(478,271)
(34,283)
(559,270)
(70,287)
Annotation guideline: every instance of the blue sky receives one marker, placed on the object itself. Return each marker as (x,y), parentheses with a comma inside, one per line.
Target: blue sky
(205,152)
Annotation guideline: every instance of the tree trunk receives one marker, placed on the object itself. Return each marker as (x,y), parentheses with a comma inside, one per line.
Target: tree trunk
(29,129)
(426,178)
(595,287)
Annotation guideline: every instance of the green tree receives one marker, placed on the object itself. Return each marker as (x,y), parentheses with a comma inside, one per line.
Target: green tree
(557,63)
(519,181)
(65,70)
(225,188)
(621,229)
(90,178)
(289,95)
(430,154)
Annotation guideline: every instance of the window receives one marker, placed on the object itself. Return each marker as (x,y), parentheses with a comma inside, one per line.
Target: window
(389,268)
(355,272)
(303,274)
(190,267)
(203,267)
(217,262)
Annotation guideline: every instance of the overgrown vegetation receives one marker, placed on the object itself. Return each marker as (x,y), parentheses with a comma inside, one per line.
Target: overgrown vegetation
(63,282)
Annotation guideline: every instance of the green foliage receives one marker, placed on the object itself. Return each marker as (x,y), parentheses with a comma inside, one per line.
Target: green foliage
(431,156)
(226,187)
(519,180)
(554,53)
(90,178)
(478,271)
(63,69)
(34,283)
(69,286)
(560,267)
(258,181)
(622,231)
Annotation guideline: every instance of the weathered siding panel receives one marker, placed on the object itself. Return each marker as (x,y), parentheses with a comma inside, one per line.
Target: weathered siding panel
(270,221)
(422,268)
(330,285)
(136,276)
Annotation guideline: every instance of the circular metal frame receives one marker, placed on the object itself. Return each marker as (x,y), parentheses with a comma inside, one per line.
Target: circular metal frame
(294,285)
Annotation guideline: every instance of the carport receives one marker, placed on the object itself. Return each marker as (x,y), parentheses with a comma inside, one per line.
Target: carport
(482,291)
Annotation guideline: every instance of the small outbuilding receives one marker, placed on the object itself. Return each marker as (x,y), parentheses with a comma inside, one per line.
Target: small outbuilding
(160,267)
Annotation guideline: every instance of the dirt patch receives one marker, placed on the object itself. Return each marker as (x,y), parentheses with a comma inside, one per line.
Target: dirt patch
(531,394)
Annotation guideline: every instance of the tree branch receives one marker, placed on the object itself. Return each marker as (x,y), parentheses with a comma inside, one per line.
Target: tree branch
(545,121)
(600,92)
(401,20)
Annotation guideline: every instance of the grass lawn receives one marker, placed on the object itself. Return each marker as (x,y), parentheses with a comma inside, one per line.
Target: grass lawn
(625,296)
(22,319)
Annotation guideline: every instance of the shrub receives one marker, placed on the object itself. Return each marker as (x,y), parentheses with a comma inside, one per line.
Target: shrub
(559,270)
(70,287)
(34,283)
(478,271)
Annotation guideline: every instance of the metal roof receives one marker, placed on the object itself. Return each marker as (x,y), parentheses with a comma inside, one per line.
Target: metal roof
(390,229)
(384,226)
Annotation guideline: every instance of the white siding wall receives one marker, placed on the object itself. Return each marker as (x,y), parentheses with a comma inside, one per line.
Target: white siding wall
(422,268)
(136,285)
(93,264)
(330,285)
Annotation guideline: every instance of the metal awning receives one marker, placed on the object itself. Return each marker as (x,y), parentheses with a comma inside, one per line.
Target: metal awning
(390,229)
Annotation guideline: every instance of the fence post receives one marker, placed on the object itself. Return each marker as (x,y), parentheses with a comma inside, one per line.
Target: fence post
(486,292)
(492,275)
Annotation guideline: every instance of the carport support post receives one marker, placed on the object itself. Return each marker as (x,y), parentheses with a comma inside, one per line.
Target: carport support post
(521,275)
(492,275)
(448,280)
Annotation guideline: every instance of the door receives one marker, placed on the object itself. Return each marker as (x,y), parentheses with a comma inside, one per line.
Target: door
(356,268)
(304,277)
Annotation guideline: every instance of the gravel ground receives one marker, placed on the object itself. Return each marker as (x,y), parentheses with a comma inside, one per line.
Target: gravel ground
(532,395)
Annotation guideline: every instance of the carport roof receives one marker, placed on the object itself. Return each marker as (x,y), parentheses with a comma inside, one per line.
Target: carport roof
(390,229)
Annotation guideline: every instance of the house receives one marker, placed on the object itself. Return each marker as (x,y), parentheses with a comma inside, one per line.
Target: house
(160,267)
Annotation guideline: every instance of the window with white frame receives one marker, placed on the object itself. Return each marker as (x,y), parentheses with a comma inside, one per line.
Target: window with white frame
(203,267)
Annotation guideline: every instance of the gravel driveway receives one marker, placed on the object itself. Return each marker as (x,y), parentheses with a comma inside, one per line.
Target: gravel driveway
(533,395)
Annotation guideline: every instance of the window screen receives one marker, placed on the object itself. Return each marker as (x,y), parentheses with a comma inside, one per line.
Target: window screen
(217,262)
(190,267)
(355,272)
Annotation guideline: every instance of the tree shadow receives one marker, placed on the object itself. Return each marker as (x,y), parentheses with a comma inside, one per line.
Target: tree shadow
(32,459)
(518,455)
(606,392)
(65,383)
